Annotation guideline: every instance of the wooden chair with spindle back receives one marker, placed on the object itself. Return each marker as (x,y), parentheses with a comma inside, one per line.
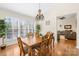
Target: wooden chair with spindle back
(37,35)
(23,51)
(49,37)
(52,38)
(44,47)
(49,42)
(30,34)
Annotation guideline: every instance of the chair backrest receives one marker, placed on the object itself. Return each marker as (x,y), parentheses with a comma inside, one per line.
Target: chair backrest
(44,47)
(37,35)
(30,34)
(20,45)
(49,36)
(47,43)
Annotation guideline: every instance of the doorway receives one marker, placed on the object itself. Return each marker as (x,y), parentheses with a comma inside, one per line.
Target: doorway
(67,29)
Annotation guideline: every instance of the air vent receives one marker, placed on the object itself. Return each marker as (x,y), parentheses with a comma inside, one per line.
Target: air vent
(62,18)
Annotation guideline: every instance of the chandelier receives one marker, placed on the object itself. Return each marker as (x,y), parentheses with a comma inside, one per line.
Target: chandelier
(39,16)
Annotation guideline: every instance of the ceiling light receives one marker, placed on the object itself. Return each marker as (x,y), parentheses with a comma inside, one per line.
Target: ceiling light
(39,16)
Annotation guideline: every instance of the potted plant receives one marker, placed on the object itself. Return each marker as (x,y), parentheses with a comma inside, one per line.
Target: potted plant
(38,28)
(2,32)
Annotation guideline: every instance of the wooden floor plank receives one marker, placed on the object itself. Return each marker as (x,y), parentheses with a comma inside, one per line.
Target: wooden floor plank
(60,49)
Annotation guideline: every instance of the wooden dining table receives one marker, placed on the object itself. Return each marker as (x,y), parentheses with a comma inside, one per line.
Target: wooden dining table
(30,43)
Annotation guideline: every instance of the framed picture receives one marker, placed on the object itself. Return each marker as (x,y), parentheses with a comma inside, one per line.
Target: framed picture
(67,26)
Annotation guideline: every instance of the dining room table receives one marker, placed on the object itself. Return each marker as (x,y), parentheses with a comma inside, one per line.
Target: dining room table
(30,43)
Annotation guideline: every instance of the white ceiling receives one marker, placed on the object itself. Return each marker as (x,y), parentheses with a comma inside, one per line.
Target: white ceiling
(31,9)
(68,16)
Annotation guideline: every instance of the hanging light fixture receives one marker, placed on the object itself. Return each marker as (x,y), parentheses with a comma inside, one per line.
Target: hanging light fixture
(39,16)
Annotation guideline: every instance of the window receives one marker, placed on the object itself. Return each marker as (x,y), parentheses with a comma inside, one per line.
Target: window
(18,27)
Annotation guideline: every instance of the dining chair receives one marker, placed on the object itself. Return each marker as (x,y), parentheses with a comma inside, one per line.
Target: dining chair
(44,47)
(23,51)
(36,48)
(49,36)
(37,35)
(30,34)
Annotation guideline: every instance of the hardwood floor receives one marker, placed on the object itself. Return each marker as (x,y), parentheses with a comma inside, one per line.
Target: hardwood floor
(66,48)
(12,50)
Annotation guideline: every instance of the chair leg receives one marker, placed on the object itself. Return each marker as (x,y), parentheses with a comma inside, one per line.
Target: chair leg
(50,49)
(47,50)
(33,52)
(20,52)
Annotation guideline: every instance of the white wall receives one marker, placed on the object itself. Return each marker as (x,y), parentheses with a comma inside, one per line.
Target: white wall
(69,20)
(60,10)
